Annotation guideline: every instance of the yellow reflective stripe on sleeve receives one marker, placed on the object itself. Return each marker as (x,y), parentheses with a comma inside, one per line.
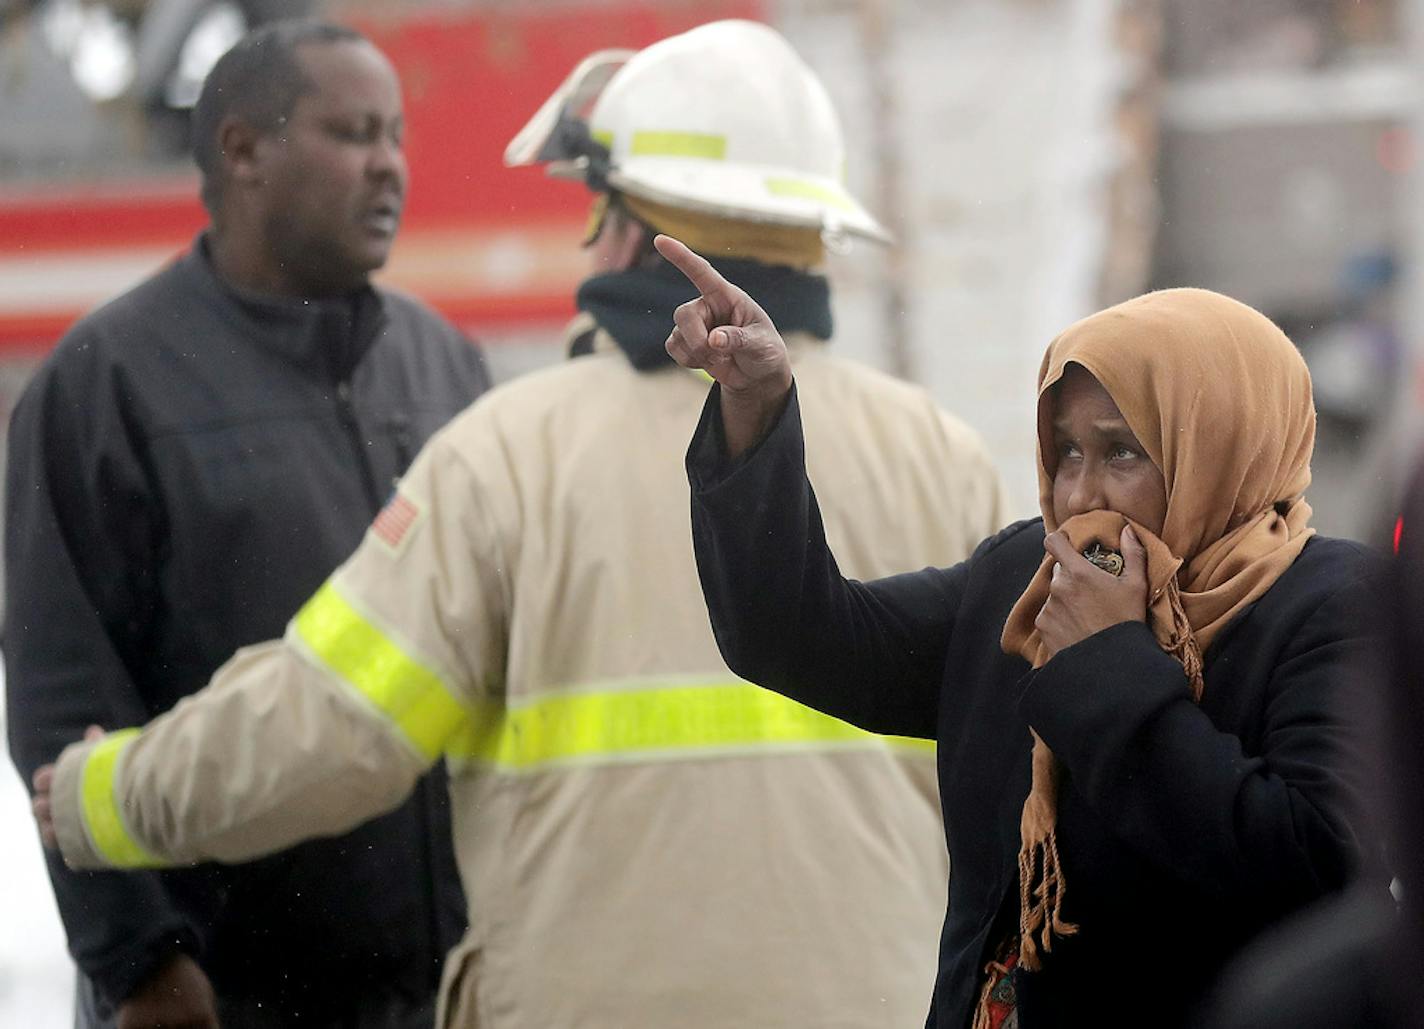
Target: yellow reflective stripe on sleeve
(655,723)
(100,805)
(412,696)
(705,145)
(809,191)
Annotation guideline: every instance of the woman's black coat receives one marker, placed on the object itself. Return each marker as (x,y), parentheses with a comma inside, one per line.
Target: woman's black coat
(1183,829)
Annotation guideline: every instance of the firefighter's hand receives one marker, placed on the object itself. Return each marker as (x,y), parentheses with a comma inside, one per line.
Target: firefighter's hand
(725,333)
(43,782)
(44,818)
(176,996)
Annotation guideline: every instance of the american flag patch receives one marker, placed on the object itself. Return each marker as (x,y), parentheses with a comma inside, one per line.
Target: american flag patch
(392,526)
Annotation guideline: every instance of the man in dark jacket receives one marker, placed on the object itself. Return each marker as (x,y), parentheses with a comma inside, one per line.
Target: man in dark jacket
(188,466)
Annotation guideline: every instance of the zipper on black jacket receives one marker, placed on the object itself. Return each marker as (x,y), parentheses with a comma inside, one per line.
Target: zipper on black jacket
(401,437)
(425,801)
(346,413)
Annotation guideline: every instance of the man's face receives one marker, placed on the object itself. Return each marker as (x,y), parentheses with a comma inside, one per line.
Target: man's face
(333,178)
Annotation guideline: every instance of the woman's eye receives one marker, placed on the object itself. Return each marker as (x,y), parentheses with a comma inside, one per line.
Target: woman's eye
(1122,453)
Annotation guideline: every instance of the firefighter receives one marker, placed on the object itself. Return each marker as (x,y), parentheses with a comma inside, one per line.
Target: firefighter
(644,839)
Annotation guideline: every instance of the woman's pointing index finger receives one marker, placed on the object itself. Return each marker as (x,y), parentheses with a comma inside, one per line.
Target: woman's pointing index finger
(697,268)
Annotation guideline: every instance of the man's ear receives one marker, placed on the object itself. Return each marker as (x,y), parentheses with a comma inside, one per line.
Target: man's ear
(238,150)
(634,245)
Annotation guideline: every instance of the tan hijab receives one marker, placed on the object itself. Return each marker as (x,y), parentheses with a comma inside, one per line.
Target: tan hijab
(1220,400)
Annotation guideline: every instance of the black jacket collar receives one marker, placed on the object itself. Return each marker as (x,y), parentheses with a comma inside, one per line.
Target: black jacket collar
(330,335)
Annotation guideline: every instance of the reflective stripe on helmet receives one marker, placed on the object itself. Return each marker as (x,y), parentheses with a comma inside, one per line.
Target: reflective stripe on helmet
(702,145)
(102,816)
(818,191)
(654,721)
(425,710)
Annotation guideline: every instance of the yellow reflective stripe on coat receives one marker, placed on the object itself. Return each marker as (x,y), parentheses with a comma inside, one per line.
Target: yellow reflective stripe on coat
(412,696)
(655,723)
(100,804)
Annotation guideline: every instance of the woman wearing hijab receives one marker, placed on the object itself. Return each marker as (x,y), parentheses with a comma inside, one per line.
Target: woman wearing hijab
(1143,757)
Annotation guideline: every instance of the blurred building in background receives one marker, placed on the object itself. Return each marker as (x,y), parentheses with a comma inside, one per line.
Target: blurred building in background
(1037,160)
(1289,178)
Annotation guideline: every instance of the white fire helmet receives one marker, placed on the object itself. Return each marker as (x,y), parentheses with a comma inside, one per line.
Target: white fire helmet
(725,119)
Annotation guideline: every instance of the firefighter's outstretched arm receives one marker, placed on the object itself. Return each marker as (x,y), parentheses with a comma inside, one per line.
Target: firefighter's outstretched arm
(274,751)
(305,736)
